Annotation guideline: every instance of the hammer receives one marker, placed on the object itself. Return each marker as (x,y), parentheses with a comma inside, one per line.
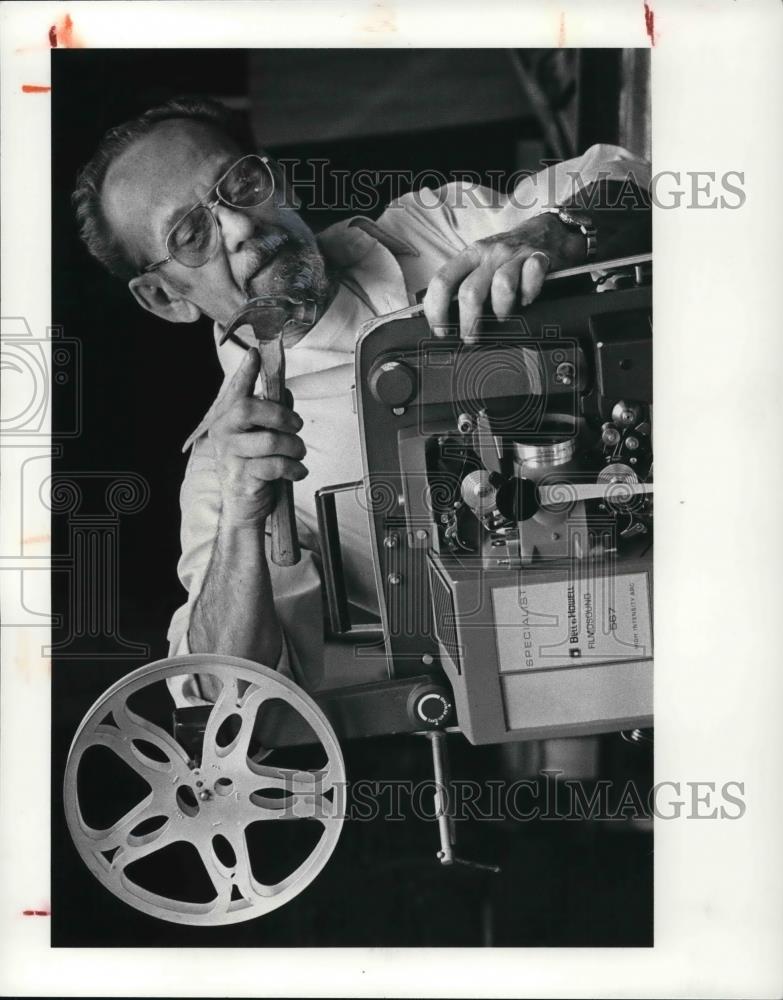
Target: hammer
(268,316)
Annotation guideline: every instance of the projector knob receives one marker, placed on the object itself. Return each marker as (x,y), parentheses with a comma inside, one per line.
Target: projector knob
(429,703)
(393,383)
(433,707)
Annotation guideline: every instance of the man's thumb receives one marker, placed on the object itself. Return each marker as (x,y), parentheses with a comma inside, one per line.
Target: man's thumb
(244,380)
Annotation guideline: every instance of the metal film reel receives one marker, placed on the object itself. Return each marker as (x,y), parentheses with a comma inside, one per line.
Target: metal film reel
(209,803)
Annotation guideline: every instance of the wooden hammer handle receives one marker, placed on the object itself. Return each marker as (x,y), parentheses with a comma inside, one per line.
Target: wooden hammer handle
(285,541)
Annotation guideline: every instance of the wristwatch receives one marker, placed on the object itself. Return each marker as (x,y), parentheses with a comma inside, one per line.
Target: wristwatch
(581,221)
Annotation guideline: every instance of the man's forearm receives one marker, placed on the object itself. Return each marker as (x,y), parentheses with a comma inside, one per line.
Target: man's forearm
(235,612)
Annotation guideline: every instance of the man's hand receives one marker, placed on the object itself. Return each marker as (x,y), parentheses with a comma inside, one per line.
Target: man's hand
(256,443)
(504,271)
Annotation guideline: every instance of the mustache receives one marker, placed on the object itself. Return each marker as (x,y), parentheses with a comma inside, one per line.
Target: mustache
(260,252)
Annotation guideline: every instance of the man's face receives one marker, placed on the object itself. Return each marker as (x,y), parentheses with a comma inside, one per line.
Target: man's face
(263,250)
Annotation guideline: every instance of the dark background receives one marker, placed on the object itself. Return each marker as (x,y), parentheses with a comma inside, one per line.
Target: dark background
(143,385)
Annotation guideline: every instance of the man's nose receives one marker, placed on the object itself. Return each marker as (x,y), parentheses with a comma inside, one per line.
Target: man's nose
(236,226)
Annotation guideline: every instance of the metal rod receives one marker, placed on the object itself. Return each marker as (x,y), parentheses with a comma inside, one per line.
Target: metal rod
(601,265)
(446,852)
(611,492)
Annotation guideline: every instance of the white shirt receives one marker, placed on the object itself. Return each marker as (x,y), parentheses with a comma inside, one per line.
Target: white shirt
(384,264)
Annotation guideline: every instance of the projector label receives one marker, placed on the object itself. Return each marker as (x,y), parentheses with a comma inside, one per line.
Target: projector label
(560,622)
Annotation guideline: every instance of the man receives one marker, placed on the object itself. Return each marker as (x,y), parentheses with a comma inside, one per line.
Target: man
(178,204)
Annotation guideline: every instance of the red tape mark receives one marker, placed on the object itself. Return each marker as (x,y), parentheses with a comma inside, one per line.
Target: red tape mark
(63,36)
(649,22)
(34,88)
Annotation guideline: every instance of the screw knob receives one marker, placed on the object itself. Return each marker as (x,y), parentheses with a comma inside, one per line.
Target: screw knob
(433,707)
(564,374)
(625,414)
(393,383)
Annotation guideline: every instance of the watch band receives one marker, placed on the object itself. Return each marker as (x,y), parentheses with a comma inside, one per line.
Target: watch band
(581,222)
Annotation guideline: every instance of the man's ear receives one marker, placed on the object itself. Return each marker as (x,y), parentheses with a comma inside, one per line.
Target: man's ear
(157,296)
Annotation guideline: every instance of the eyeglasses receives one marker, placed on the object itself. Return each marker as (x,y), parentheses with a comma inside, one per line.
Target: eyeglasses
(194,240)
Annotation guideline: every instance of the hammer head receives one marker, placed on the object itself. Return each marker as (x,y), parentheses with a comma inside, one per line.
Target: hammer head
(268,316)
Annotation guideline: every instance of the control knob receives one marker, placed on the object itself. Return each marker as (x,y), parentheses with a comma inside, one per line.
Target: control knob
(392,383)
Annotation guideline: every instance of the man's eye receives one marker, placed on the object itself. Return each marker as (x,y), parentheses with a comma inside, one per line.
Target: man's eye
(190,234)
(244,187)
(184,236)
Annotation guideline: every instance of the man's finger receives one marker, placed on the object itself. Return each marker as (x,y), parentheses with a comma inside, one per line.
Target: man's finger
(261,444)
(443,288)
(505,288)
(533,273)
(473,294)
(244,379)
(251,413)
(275,467)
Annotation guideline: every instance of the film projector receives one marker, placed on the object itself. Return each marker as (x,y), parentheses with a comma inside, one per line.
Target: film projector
(509,498)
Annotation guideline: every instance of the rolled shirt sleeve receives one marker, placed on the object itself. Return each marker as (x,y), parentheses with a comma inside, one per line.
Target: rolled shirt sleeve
(457,214)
